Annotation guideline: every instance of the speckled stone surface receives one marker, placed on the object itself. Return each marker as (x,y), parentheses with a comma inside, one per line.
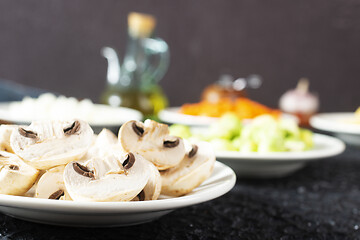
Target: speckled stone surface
(321,201)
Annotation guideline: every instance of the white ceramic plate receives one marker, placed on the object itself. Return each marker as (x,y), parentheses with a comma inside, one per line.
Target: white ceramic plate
(173,115)
(108,214)
(105,117)
(336,122)
(342,125)
(278,164)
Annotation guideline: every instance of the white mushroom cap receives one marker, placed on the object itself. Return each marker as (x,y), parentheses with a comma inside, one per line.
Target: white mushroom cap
(16,177)
(46,144)
(106,179)
(5,133)
(195,168)
(51,185)
(153,142)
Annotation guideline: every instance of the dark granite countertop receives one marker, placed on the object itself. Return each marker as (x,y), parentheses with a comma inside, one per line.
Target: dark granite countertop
(321,201)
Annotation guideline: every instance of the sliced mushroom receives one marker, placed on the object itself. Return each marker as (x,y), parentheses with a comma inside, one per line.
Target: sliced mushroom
(27,133)
(57,195)
(31,191)
(106,145)
(5,133)
(152,141)
(129,161)
(83,170)
(103,142)
(74,128)
(105,138)
(16,177)
(51,185)
(111,181)
(153,187)
(46,144)
(195,168)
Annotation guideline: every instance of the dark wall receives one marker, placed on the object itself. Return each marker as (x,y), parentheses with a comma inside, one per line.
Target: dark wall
(56,45)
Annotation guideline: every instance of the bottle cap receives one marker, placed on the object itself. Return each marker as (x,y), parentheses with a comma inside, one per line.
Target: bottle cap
(141,25)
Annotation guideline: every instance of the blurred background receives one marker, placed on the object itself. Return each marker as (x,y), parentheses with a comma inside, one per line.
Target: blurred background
(55,45)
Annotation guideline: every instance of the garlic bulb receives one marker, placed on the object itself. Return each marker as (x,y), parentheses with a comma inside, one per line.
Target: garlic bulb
(300,101)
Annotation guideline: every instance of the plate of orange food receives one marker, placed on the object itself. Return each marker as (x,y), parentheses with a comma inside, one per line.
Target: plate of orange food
(205,112)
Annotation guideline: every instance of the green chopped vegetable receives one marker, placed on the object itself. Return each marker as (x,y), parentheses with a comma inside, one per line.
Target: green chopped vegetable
(307,137)
(220,144)
(180,131)
(228,127)
(263,134)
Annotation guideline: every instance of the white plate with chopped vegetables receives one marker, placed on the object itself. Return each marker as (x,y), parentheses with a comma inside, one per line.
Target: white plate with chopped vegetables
(278,164)
(266,147)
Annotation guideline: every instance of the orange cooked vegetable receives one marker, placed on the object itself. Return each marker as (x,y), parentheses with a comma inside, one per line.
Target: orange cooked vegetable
(244,108)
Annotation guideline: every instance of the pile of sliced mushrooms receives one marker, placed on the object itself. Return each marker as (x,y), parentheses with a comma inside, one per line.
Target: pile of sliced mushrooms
(65,160)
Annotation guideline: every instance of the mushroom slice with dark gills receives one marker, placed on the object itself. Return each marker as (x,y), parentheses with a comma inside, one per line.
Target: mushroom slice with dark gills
(152,188)
(195,168)
(153,142)
(51,185)
(46,144)
(114,176)
(16,177)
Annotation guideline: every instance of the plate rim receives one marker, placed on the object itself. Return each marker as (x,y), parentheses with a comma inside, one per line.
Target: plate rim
(320,121)
(82,207)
